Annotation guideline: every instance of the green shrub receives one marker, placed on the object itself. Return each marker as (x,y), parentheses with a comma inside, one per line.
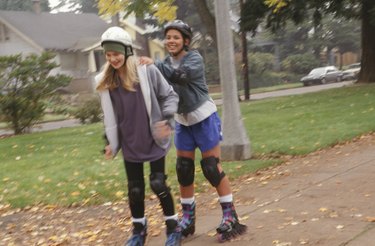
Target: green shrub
(300,64)
(270,78)
(24,84)
(89,111)
(261,62)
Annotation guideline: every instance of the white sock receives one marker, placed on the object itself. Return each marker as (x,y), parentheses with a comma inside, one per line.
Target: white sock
(139,220)
(172,217)
(227,198)
(187,200)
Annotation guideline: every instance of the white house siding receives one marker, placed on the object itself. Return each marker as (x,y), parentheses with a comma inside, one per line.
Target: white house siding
(75,65)
(15,45)
(156,49)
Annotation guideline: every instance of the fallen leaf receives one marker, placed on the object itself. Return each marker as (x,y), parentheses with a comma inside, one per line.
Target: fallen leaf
(120,194)
(211,233)
(75,193)
(244,217)
(303,241)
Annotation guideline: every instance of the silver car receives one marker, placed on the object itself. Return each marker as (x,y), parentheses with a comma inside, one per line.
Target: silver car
(322,75)
(352,72)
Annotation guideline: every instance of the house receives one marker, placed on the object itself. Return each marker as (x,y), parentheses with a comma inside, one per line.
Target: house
(74,38)
(65,34)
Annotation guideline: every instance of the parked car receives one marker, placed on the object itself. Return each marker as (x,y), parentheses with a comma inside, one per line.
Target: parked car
(352,72)
(322,75)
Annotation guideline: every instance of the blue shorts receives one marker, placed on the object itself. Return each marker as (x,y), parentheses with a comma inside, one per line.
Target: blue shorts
(205,135)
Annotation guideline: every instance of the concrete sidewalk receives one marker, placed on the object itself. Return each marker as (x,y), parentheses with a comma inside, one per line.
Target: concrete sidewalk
(53,125)
(326,198)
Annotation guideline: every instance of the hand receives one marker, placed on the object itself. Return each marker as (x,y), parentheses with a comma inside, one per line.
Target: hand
(107,152)
(162,129)
(144,60)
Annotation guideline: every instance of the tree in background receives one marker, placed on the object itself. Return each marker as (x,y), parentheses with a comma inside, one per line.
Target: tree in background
(277,12)
(24,83)
(345,35)
(162,10)
(23,5)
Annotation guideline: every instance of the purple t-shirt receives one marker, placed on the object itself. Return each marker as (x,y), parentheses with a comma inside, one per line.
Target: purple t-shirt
(137,143)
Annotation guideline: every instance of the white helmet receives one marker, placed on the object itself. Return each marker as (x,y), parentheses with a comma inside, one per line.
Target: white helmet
(118,35)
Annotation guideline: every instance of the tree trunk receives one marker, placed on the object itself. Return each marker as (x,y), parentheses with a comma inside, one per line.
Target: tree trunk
(245,67)
(367,73)
(235,145)
(206,17)
(245,62)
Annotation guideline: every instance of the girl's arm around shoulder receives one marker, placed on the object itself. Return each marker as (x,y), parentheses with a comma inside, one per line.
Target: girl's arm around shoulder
(166,96)
(193,65)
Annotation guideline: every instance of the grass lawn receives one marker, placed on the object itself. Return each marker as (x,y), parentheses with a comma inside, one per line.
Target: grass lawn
(65,166)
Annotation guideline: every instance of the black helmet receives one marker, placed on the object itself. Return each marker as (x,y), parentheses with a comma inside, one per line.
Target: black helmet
(180,26)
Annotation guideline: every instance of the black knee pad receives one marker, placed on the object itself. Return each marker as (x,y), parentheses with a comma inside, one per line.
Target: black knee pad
(158,184)
(136,191)
(210,170)
(185,170)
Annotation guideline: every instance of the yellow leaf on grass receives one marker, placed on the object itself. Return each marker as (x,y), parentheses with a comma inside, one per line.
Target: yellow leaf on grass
(75,193)
(81,186)
(120,194)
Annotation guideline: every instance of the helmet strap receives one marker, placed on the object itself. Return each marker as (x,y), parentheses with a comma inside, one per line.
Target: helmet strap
(128,51)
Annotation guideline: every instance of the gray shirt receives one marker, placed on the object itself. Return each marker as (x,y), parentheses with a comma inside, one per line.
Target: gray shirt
(159,98)
(136,140)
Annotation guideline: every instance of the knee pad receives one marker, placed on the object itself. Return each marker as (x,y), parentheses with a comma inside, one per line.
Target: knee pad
(185,170)
(136,191)
(158,184)
(210,170)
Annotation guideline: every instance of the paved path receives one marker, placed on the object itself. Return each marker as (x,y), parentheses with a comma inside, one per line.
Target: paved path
(294,91)
(299,90)
(47,126)
(326,198)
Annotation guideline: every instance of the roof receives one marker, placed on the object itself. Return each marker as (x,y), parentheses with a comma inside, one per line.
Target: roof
(61,31)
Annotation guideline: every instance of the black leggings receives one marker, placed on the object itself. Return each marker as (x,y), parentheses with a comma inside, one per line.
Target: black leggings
(135,176)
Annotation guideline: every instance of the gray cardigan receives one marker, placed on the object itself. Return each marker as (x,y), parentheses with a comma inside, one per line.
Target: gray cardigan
(160,99)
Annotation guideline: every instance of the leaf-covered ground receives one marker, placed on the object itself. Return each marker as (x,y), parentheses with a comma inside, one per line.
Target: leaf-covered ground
(110,224)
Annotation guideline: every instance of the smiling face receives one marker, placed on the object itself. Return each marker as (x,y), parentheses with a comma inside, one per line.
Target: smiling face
(174,43)
(116,59)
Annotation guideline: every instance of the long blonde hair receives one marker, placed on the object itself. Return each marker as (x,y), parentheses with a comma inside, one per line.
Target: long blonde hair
(129,72)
